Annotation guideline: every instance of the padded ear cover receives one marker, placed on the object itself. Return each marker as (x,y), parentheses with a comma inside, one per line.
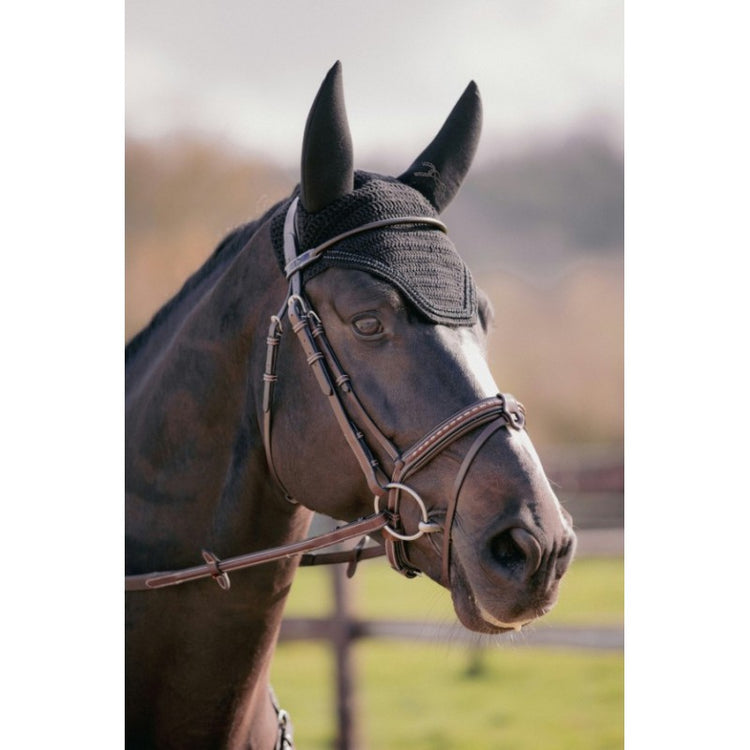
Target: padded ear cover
(327,170)
(440,169)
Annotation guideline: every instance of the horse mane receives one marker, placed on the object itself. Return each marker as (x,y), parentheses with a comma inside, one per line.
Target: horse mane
(224,253)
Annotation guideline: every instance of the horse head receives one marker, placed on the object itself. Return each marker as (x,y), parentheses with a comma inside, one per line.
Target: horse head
(396,335)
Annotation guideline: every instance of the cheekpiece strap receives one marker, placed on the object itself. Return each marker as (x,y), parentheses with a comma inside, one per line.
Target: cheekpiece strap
(290,244)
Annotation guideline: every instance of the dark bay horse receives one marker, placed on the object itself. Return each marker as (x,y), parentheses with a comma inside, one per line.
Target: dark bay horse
(328,357)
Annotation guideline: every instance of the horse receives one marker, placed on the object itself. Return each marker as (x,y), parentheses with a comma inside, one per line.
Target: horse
(328,357)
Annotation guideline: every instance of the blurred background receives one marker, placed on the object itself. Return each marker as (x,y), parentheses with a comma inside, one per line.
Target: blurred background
(216,99)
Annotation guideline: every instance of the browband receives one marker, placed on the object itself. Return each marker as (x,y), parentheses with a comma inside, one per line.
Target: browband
(295,263)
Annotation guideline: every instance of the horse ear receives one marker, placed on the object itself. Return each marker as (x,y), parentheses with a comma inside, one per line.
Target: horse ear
(440,169)
(327,162)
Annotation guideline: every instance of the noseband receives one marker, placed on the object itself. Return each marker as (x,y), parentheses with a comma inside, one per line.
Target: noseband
(356,426)
(352,418)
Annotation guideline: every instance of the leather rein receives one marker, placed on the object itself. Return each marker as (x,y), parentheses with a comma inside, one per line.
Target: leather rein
(494,413)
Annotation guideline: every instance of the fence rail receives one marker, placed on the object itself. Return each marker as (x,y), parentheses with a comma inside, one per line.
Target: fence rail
(313,628)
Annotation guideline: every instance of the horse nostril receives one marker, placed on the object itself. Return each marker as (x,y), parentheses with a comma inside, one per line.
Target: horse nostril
(566,556)
(517,551)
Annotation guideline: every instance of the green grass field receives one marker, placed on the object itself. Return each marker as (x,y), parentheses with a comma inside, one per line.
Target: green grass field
(450,695)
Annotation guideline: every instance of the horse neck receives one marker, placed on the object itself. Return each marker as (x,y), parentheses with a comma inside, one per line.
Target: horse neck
(193,445)
(196,477)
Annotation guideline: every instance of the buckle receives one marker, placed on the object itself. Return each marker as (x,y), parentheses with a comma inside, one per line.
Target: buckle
(513,411)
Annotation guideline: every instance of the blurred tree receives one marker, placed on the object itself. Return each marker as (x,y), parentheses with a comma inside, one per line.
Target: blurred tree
(181,197)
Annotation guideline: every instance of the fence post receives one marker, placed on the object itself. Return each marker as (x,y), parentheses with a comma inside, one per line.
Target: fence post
(341,637)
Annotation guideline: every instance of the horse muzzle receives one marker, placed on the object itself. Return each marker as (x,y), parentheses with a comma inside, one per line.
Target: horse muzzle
(508,577)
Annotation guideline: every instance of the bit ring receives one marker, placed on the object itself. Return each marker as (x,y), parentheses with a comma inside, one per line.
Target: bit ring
(425,525)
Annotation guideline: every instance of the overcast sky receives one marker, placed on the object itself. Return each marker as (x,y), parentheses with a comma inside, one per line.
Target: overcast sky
(248,71)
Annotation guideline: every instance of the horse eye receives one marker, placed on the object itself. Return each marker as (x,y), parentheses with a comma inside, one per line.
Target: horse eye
(368,325)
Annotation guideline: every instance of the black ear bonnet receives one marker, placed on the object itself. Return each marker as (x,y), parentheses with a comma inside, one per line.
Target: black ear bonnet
(420,261)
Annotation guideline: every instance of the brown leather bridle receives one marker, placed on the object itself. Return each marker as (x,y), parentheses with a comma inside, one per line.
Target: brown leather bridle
(356,426)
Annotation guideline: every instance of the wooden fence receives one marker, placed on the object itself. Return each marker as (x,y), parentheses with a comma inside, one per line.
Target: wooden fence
(590,486)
